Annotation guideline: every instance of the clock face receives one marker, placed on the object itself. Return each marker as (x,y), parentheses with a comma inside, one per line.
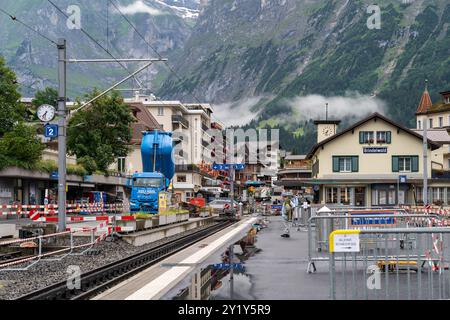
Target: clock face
(327,131)
(46,113)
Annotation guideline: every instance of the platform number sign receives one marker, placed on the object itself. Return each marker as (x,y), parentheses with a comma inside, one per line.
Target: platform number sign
(51,131)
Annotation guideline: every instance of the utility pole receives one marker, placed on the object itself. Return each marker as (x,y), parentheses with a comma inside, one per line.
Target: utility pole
(62,135)
(232,187)
(425,166)
(231,256)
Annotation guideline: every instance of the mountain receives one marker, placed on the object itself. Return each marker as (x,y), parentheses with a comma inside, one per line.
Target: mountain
(277,51)
(166,24)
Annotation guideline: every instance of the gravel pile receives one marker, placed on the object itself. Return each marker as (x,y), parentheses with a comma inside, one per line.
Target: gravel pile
(14,284)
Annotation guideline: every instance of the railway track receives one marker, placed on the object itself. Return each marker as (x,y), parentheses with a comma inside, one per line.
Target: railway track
(100,279)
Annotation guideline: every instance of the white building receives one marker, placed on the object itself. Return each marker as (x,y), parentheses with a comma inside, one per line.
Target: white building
(189,124)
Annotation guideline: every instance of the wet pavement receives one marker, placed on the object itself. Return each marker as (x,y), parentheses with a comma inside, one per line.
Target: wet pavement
(278,271)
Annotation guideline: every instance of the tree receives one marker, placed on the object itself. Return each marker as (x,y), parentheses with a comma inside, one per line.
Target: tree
(11,110)
(20,147)
(46,96)
(101,131)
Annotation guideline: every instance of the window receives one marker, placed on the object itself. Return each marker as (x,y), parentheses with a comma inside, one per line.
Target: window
(437,195)
(148,182)
(360,196)
(431,123)
(345,195)
(160,111)
(391,197)
(419,124)
(366,137)
(441,122)
(331,195)
(448,164)
(405,163)
(419,194)
(383,137)
(345,164)
(382,197)
(121,164)
(447,100)
(181,178)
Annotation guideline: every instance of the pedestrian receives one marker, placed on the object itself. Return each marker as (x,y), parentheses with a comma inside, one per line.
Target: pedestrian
(294,206)
(286,211)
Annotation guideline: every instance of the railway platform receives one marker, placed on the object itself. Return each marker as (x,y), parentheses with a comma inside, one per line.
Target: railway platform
(278,270)
(162,278)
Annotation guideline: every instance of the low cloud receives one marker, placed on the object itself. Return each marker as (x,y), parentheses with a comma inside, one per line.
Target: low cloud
(238,113)
(140,7)
(351,105)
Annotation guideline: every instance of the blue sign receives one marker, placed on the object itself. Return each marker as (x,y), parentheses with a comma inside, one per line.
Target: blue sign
(360,219)
(402,179)
(375,150)
(227,166)
(54,175)
(373,221)
(227,266)
(51,131)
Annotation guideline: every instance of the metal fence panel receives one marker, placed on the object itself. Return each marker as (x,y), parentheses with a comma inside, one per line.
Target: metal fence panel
(391,270)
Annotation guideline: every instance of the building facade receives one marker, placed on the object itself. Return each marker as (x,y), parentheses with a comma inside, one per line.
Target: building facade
(190,124)
(363,164)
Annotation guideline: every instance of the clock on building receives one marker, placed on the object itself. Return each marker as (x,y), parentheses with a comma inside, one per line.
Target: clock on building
(327,131)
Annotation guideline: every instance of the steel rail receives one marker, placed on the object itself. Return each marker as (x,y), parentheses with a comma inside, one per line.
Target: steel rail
(99,279)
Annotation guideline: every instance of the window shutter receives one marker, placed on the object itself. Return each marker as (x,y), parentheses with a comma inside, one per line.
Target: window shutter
(355,164)
(335,164)
(388,137)
(361,137)
(394,164)
(415,163)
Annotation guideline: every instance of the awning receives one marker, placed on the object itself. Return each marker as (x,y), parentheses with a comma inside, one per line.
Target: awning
(254,183)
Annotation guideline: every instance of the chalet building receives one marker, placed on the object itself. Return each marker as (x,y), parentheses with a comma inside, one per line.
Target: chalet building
(377,162)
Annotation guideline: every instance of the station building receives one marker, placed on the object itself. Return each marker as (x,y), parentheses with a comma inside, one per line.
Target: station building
(378,162)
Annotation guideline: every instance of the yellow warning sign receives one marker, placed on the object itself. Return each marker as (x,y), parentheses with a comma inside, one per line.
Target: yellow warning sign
(163,198)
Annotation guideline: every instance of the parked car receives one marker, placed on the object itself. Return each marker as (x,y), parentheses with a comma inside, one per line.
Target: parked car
(218,205)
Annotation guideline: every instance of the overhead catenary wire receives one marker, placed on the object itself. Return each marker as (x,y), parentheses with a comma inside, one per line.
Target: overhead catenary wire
(95,41)
(151,47)
(15,19)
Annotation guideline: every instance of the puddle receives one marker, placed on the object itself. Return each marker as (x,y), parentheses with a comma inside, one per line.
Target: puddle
(213,281)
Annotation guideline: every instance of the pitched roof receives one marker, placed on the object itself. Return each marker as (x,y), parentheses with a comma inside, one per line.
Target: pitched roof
(145,121)
(425,103)
(295,157)
(440,136)
(313,150)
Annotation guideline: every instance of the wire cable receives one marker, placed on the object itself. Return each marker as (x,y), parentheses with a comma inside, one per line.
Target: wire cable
(94,40)
(150,46)
(15,19)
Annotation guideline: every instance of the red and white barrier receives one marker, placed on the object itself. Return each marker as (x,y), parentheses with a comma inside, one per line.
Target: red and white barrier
(51,209)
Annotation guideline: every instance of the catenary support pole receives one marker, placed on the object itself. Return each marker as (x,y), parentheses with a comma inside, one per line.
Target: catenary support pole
(62,135)
(232,187)
(425,164)
(231,250)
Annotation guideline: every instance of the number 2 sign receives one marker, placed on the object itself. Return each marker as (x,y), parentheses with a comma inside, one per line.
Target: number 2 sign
(51,131)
